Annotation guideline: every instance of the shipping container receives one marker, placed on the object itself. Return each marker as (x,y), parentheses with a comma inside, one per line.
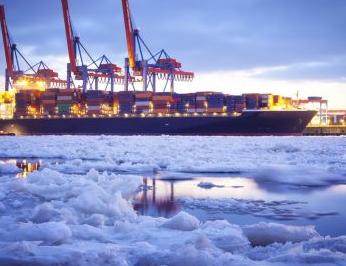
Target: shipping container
(252,100)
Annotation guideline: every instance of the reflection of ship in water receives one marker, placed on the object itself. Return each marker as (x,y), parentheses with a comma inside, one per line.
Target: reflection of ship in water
(148,202)
(27,167)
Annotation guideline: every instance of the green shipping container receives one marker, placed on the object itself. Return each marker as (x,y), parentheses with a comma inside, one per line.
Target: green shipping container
(64,108)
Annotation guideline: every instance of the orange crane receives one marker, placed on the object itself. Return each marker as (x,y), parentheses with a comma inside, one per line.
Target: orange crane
(149,66)
(35,76)
(93,71)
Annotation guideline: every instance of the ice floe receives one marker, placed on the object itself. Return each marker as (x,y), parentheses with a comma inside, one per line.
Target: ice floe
(71,213)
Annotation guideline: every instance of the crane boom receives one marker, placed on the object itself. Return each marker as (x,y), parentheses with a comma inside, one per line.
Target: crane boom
(6,41)
(69,36)
(129,34)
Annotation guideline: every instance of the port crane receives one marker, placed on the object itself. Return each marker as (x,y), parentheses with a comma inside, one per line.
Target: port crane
(82,65)
(35,76)
(146,64)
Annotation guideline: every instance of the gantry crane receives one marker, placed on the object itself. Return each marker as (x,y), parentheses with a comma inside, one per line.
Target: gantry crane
(36,75)
(148,65)
(81,63)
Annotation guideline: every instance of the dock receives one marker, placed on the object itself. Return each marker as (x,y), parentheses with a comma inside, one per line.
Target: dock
(331,130)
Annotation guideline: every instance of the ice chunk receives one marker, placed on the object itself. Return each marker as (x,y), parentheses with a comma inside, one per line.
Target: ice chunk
(208,185)
(49,233)
(2,207)
(268,233)
(226,236)
(46,177)
(182,221)
(96,220)
(8,168)
(336,244)
(45,213)
(297,175)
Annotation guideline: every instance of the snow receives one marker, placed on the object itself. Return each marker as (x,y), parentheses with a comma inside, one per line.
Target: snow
(77,210)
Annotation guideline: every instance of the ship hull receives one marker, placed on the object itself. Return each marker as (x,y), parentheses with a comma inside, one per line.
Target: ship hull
(248,123)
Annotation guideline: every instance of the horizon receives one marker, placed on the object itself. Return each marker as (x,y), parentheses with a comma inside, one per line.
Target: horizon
(233,46)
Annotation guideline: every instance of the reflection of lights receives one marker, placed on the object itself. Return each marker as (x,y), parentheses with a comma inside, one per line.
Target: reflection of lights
(27,167)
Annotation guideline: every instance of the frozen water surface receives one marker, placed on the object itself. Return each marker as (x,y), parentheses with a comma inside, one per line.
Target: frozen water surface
(68,200)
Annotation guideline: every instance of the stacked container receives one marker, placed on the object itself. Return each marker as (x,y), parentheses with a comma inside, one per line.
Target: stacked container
(252,100)
(235,103)
(288,102)
(97,102)
(277,100)
(49,101)
(143,103)
(6,105)
(215,102)
(113,103)
(67,100)
(187,103)
(27,103)
(266,101)
(163,103)
(126,101)
(201,102)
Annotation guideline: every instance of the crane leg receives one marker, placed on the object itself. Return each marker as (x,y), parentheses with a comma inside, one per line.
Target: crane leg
(69,77)
(172,83)
(7,81)
(127,76)
(145,75)
(154,82)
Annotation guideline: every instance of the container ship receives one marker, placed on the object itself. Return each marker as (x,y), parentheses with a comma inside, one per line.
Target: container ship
(37,102)
(63,111)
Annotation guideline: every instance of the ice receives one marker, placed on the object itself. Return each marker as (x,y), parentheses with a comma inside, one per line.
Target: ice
(145,154)
(50,233)
(182,221)
(208,185)
(226,236)
(293,175)
(8,168)
(268,233)
(275,210)
(77,210)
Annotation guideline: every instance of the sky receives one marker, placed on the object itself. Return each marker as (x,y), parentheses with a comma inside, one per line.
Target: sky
(234,46)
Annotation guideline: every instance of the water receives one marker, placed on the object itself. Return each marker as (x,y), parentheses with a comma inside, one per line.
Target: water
(242,200)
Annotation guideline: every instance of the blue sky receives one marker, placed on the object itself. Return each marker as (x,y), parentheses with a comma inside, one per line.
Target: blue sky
(276,46)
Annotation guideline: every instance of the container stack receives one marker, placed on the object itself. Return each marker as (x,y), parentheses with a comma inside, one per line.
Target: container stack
(252,101)
(97,102)
(66,100)
(215,102)
(6,105)
(288,102)
(113,103)
(201,102)
(49,101)
(235,103)
(27,103)
(143,103)
(126,101)
(266,101)
(163,103)
(187,103)
(277,100)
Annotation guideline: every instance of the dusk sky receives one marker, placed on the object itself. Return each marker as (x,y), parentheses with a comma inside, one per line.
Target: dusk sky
(234,46)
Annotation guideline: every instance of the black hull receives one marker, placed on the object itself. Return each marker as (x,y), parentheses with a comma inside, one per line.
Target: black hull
(248,123)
